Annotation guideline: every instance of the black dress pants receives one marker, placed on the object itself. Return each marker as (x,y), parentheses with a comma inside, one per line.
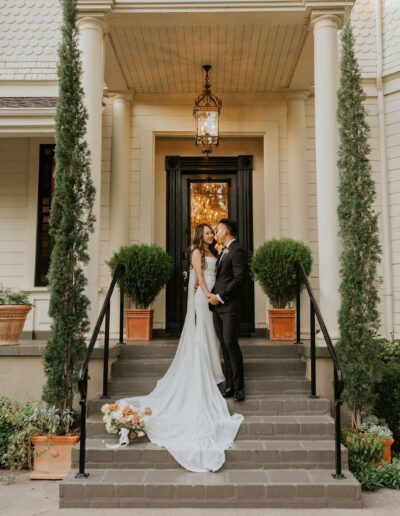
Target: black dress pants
(227,330)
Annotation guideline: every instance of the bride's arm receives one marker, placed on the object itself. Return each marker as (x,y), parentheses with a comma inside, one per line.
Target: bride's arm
(196,264)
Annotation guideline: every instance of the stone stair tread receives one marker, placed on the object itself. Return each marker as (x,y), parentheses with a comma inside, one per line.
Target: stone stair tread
(173,477)
(266,418)
(272,360)
(224,488)
(255,444)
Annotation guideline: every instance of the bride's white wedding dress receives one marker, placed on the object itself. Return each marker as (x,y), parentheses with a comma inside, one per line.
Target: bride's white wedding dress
(190,417)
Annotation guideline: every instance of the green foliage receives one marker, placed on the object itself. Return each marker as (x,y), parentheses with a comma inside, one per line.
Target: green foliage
(71,221)
(358,315)
(372,479)
(376,426)
(19,422)
(387,403)
(274,267)
(6,426)
(362,446)
(8,297)
(148,268)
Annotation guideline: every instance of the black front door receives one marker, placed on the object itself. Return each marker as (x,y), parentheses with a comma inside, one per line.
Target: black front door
(216,188)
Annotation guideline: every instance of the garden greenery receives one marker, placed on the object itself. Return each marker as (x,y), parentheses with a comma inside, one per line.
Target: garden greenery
(19,422)
(71,222)
(387,388)
(148,268)
(274,267)
(359,319)
(9,297)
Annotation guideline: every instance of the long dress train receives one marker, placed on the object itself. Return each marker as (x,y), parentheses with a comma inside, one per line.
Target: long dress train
(190,417)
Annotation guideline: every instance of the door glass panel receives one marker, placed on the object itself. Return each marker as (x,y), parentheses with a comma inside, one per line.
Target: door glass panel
(208,203)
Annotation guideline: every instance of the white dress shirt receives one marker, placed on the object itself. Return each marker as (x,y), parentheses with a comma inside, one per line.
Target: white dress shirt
(222,257)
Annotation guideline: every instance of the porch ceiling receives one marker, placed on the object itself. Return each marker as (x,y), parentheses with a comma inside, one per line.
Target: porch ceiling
(164,55)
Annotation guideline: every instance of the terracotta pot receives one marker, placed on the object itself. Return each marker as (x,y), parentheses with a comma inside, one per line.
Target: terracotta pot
(281,323)
(139,324)
(12,320)
(387,455)
(55,462)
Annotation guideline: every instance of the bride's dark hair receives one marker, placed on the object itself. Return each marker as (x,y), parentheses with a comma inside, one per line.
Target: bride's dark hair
(198,243)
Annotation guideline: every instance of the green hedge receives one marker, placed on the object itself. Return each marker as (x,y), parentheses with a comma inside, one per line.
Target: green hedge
(387,405)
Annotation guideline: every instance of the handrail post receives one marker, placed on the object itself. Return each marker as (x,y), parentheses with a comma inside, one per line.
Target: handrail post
(338,452)
(106,350)
(82,444)
(298,306)
(121,307)
(312,337)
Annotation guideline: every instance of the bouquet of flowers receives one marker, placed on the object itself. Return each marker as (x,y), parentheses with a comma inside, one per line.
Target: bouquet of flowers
(127,420)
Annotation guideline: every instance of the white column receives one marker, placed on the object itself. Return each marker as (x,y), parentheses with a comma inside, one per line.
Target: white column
(297,166)
(120,188)
(298,183)
(91,43)
(326,81)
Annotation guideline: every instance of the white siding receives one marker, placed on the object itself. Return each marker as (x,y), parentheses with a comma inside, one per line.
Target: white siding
(14,171)
(392,107)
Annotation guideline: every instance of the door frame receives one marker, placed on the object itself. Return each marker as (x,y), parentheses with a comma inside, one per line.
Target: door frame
(176,167)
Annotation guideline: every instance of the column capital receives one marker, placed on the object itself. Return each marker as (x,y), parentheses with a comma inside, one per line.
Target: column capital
(297,95)
(116,96)
(324,19)
(94,22)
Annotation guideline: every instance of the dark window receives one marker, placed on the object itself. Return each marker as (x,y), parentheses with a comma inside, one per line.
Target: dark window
(44,243)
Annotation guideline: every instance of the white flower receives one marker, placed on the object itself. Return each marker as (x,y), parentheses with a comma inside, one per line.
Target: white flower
(105,408)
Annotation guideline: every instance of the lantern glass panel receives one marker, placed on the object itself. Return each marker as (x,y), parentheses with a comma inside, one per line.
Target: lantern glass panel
(207,122)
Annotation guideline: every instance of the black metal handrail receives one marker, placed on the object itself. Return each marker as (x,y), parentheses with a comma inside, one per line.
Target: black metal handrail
(83,372)
(337,370)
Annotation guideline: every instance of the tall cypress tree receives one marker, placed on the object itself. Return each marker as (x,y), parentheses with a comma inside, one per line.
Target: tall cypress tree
(71,221)
(359,319)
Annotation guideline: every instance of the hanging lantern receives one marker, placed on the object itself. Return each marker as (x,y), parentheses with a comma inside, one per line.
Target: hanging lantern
(206,112)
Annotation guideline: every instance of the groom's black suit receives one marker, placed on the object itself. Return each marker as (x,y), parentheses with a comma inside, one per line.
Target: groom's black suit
(232,269)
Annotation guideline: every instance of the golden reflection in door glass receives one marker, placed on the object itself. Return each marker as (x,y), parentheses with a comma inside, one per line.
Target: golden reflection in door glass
(208,204)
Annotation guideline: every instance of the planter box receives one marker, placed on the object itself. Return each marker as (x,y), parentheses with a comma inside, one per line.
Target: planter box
(12,320)
(55,463)
(281,323)
(139,324)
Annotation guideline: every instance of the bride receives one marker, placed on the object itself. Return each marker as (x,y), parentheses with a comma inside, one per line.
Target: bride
(190,417)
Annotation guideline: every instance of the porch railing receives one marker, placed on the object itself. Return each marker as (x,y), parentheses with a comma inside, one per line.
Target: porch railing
(83,372)
(337,371)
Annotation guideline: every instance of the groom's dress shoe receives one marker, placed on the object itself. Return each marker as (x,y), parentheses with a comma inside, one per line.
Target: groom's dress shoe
(227,393)
(239,395)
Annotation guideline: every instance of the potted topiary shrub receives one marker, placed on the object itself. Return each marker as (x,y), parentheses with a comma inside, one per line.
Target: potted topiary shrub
(274,267)
(148,268)
(14,307)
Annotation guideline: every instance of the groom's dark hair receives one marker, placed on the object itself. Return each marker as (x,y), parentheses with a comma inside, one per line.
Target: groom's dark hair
(231,225)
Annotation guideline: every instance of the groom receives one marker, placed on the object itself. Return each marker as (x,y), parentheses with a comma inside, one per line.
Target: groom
(225,303)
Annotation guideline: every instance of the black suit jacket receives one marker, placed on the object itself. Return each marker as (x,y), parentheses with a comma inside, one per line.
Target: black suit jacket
(231,275)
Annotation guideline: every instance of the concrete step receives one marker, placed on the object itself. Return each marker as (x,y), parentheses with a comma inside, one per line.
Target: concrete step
(250,349)
(303,427)
(130,387)
(132,488)
(154,366)
(258,404)
(244,454)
